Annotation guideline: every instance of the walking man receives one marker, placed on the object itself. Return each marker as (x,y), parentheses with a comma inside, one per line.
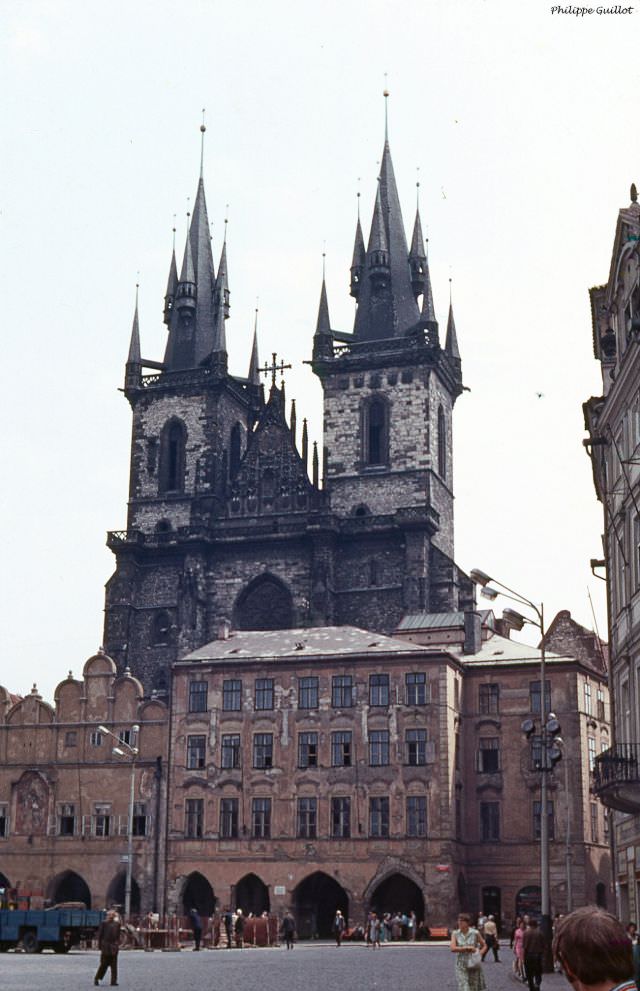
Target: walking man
(108,944)
(196,925)
(533,944)
(288,929)
(338,927)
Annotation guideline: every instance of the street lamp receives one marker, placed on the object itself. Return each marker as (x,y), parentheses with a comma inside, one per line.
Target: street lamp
(127,751)
(517,621)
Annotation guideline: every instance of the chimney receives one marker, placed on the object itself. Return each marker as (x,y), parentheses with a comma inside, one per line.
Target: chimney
(472,632)
(503,629)
(224,628)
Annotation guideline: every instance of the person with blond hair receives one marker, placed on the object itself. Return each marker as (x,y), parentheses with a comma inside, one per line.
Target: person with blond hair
(595,951)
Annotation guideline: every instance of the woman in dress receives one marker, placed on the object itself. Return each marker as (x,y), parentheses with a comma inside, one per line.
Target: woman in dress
(518,948)
(464,940)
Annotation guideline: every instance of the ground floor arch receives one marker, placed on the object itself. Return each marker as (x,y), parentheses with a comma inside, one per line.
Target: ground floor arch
(397,893)
(316,899)
(252,895)
(198,893)
(68,887)
(529,901)
(117,890)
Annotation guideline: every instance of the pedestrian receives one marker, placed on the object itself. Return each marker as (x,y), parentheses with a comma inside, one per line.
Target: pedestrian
(239,929)
(228,927)
(518,948)
(594,950)
(196,925)
(468,945)
(373,930)
(491,938)
(338,927)
(411,926)
(533,946)
(109,945)
(288,929)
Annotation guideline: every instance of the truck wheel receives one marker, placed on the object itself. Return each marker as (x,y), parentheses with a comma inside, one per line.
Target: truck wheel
(30,943)
(61,947)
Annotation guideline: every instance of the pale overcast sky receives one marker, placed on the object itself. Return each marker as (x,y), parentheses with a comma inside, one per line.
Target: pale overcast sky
(523,125)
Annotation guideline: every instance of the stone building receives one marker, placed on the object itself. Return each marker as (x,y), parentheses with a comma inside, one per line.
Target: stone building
(613,424)
(64,795)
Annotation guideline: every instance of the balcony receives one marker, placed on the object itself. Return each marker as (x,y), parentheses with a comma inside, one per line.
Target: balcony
(616,777)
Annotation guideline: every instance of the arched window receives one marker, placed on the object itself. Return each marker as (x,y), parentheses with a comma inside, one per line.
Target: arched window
(235,450)
(375,431)
(442,443)
(265,604)
(172,448)
(161,628)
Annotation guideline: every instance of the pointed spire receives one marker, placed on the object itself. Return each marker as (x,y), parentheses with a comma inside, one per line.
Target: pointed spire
(187,273)
(172,284)
(359,257)
(305,443)
(451,341)
(315,471)
(134,345)
(254,363)
(428,309)
(222,282)
(417,257)
(292,421)
(323,324)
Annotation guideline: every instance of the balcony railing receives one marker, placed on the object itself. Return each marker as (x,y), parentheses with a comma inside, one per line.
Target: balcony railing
(616,777)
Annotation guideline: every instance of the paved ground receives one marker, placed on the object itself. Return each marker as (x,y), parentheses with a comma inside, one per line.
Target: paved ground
(308,967)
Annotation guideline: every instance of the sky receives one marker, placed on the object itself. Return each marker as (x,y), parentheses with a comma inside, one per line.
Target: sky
(520,125)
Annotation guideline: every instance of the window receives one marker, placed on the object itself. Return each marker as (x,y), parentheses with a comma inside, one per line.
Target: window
(67,820)
(264,693)
(587,698)
(416,688)
(605,820)
(342,694)
(375,432)
(341,749)
(600,704)
(102,820)
(230,751)
(307,693)
(71,738)
(594,822)
(340,818)
(308,750)
(416,815)
(489,755)
(378,689)
(172,449)
(442,443)
(193,818)
(591,746)
(489,700)
(263,750)
(261,818)
(379,817)
(490,821)
(229,818)
(534,697)
(232,695)
(126,736)
(161,628)
(307,825)
(95,738)
(551,821)
(196,752)
(416,747)
(536,753)
(379,747)
(4,821)
(140,820)
(198,696)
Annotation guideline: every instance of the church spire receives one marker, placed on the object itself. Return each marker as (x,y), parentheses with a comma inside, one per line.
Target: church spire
(172,284)
(323,338)
(417,257)
(451,341)
(254,363)
(135,357)
(359,256)
(428,309)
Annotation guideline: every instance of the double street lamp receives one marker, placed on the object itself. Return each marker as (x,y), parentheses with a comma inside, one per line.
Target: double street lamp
(549,725)
(127,751)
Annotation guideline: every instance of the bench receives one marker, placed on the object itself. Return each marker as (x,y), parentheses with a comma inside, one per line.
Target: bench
(439,932)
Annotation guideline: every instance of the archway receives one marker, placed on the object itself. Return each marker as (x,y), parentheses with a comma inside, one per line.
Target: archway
(528,901)
(397,893)
(316,900)
(601,894)
(265,604)
(69,887)
(252,895)
(198,893)
(116,893)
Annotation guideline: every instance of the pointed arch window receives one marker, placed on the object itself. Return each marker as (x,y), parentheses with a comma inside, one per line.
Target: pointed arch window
(375,431)
(442,443)
(172,456)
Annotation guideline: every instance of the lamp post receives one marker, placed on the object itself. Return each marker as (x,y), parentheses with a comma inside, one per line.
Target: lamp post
(127,751)
(516,620)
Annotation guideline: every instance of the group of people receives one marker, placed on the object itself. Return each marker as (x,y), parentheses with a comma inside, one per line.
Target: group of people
(380,928)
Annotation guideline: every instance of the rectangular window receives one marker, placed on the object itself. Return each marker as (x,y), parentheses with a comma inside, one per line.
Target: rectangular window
(340,818)
(71,738)
(67,820)
(605,820)
(490,821)
(95,738)
(379,817)
(261,818)
(600,704)
(534,697)
(591,745)
(263,750)
(594,822)
(125,736)
(198,696)
(102,820)
(587,698)
(489,700)
(307,750)
(308,693)
(488,755)
(196,752)
(378,689)
(229,818)
(416,815)
(264,693)
(342,694)
(193,818)
(341,749)
(232,695)
(4,821)
(379,748)
(230,751)
(416,747)
(551,820)
(415,686)
(140,819)
(307,825)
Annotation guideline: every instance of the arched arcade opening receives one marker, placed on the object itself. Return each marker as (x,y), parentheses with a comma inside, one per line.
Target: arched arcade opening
(252,895)
(68,887)
(316,899)
(116,893)
(198,893)
(397,893)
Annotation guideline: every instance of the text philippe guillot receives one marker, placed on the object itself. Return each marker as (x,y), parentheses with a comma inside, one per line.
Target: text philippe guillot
(585,11)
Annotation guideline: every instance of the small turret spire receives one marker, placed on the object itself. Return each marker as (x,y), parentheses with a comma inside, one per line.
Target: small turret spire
(305,443)
(451,341)
(293,421)
(428,309)
(172,283)
(222,282)
(417,256)
(323,325)
(134,357)
(359,257)
(254,363)
(315,465)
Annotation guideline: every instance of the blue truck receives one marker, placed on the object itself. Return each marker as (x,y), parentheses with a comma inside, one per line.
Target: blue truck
(57,929)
